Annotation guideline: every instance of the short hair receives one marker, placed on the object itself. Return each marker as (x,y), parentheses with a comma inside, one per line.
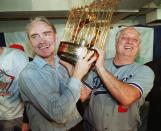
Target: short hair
(39,19)
(120,31)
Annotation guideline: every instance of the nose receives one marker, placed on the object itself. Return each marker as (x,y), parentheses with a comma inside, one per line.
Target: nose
(42,38)
(130,40)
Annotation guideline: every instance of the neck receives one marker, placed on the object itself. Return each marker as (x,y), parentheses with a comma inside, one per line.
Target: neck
(50,60)
(119,60)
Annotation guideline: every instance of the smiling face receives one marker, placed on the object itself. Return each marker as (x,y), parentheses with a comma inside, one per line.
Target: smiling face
(42,38)
(128,43)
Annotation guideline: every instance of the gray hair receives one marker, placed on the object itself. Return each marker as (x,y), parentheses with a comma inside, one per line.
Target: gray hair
(120,31)
(39,19)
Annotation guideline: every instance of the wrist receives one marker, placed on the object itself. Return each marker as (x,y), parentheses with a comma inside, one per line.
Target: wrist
(100,69)
(76,76)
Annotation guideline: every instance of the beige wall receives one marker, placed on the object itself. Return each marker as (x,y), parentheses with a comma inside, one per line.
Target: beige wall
(19,25)
(33,5)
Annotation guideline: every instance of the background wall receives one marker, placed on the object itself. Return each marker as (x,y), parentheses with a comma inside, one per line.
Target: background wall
(14,32)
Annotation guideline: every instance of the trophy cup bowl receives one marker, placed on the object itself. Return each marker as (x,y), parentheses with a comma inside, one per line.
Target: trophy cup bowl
(70,52)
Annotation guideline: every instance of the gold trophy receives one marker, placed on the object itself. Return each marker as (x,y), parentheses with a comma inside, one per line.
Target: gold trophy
(87,27)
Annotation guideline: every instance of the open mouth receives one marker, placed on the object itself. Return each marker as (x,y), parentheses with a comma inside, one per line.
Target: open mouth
(42,47)
(128,48)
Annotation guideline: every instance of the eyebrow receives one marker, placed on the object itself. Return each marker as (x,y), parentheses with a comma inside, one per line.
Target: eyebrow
(47,32)
(33,34)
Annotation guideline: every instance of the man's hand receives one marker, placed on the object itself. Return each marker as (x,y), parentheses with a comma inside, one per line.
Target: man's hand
(25,127)
(100,63)
(83,65)
(68,66)
(3,85)
(85,93)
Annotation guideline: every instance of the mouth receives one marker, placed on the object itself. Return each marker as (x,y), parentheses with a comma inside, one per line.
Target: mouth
(42,47)
(128,48)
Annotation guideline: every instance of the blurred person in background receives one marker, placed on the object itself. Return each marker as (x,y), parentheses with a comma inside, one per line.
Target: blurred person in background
(12,61)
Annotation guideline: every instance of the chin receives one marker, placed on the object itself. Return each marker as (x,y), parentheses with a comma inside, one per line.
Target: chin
(45,55)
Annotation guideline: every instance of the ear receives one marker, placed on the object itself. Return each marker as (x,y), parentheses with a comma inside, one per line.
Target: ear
(56,40)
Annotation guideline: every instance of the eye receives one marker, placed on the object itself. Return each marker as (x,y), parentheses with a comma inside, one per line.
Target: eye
(47,33)
(35,36)
(124,38)
(135,40)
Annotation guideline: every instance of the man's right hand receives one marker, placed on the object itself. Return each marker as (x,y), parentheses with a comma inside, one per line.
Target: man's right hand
(25,127)
(3,85)
(83,65)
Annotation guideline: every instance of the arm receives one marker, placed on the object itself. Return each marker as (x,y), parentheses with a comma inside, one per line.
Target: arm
(124,93)
(85,90)
(3,85)
(25,124)
(85,93)
(25,127)
(56,106)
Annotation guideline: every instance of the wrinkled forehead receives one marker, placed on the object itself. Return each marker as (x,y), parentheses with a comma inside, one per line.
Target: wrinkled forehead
(130,32)
(38,28)
(39,25)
